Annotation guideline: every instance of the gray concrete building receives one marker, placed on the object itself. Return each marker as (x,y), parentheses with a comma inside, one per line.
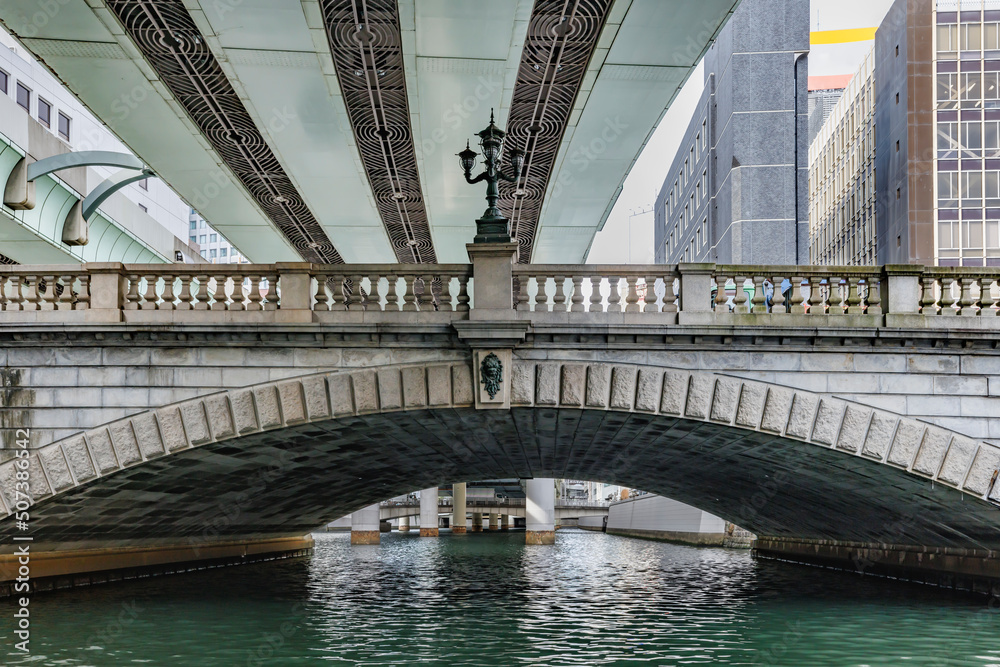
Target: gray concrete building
(737,190)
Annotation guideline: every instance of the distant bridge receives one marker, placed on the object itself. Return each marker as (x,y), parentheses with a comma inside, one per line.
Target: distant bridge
(565,509)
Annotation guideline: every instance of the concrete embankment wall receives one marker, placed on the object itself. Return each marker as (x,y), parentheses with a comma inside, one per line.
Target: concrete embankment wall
(591,522)
(655,517)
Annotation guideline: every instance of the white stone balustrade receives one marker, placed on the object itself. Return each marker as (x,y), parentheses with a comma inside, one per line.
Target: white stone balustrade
(686,294)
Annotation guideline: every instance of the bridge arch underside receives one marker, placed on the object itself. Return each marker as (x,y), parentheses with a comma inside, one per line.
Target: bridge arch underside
(291,480)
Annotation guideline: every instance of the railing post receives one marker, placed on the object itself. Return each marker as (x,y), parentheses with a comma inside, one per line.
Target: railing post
(695,294)
(901,289)
(295,291)
(107,290)
(492,279)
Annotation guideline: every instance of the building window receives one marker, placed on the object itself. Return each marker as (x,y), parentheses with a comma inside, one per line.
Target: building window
(193,239)
(144,209)
(897,193)
(201,239)
(897,50)
(4,77)
(212,253)
(194,225)
(897,145)
(223,251)
(213,238)
(144,184)
(24,97)
(64,123)
(897,98)
(44,112)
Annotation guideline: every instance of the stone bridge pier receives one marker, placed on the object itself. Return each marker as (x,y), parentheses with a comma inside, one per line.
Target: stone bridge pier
(162,416)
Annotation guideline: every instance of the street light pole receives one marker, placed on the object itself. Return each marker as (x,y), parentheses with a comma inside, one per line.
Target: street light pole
(492,227)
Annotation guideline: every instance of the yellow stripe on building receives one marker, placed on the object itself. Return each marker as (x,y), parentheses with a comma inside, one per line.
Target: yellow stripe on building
(842,36)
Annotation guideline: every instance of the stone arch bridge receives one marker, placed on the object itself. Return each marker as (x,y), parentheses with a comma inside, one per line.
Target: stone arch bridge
(180,416)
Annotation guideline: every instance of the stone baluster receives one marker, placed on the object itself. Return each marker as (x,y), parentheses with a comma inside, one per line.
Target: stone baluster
(741,302)
(576,301)
(167,298)
(778,299)
(835,302)
(758,305)
(374,298)
(425,299)
(632,298)
(17,289)
(149,298)
(541,298)
(596,299)
(987,302)
(669,302)
(444,299)
(392,293)
(816,298)
(184,297)
(463,294)
(559,297)
(720,293)
(614,299)
(650,300)
(968,304)
(4,301)
(321,297)
(950,296)
(873,295)
(798,301)
(339,295)
(854,306)
(928,296)
(68,295)
(48,294)
(410,297)
(355,300)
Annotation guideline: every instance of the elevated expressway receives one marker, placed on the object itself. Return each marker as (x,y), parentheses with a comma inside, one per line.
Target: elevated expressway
(326,130)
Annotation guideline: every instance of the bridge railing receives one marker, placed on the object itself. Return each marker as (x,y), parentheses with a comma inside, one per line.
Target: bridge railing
(696,294)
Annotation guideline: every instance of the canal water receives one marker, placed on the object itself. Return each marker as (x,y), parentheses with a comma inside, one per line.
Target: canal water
(486,599)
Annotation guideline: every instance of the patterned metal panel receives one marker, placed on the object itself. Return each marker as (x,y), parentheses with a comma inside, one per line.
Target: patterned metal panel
(562,36)
(4,259)
(367,51)
(171,43)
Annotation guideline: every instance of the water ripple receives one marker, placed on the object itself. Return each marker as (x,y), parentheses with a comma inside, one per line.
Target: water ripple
(485,599)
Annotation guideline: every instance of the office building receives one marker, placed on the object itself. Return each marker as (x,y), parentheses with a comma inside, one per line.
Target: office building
(736,191)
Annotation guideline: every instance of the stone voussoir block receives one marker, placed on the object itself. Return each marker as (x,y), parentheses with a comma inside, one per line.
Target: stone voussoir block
(366,398)
(881,430)
(341,394)
(79,459)
(196,422)
(414,387)
(317,401)
(522,383)
(854,428)
(623,390)
(147,433)
(725,400)
(56,468)
(461,383)
(438,385)
(126,443)
(647,390)
(985,465)
(268,405)
(909,435)
(598,385)
(390,389)
(930,456)
(547,384)
(675,391)
(750,410)
(777,409)
(573,385)
(957,460)
(102,451)
(293,407)
(802,415)
(826,427)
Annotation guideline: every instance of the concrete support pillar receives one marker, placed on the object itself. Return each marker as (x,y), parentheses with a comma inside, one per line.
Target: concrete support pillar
(504,522)
(477,522)
(458,508)
(494,521)
(429,512)
(404,524)
(540,511)
(364,525)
